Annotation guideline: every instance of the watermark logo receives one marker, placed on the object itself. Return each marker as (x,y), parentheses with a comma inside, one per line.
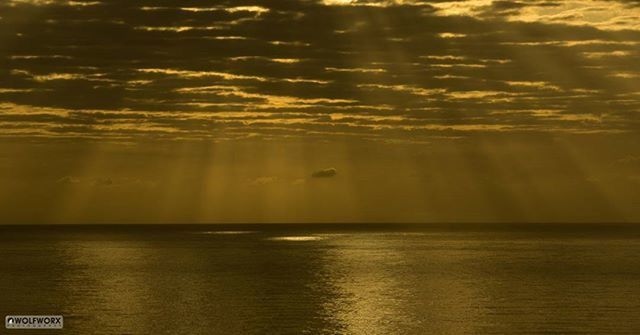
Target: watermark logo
(34,322)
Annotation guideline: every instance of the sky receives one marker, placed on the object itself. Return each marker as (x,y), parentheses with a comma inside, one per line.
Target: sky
(187,111)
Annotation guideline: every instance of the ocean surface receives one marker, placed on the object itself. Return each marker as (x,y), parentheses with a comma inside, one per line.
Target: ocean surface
(324,279)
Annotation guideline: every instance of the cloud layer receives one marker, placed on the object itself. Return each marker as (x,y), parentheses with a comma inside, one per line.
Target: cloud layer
(402,69)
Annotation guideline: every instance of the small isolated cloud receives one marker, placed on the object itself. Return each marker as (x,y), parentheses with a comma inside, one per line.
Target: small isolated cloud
(629,160)
(68,180)
(103,182)
(299,181)
(262,181)
(326,173)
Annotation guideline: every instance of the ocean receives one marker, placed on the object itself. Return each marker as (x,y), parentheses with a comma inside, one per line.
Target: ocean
(324,279)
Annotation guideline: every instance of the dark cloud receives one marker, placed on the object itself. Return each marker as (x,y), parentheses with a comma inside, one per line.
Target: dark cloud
(261,181)
(178,69)
(68,180)
(325,173)
(106,182)
(631,160)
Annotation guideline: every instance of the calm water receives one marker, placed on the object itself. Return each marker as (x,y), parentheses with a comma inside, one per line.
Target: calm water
(517,279)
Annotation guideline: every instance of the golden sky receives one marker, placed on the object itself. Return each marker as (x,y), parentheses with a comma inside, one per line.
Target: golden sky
(319,111)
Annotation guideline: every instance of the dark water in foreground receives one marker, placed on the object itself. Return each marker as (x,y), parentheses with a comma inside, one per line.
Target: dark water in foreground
(516,279)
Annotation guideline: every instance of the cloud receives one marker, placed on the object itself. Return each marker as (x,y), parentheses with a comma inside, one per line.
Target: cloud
(630,159)
(393,70)
(325,173)
(106,182)
(68,180)
(299,181)
(260,181)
